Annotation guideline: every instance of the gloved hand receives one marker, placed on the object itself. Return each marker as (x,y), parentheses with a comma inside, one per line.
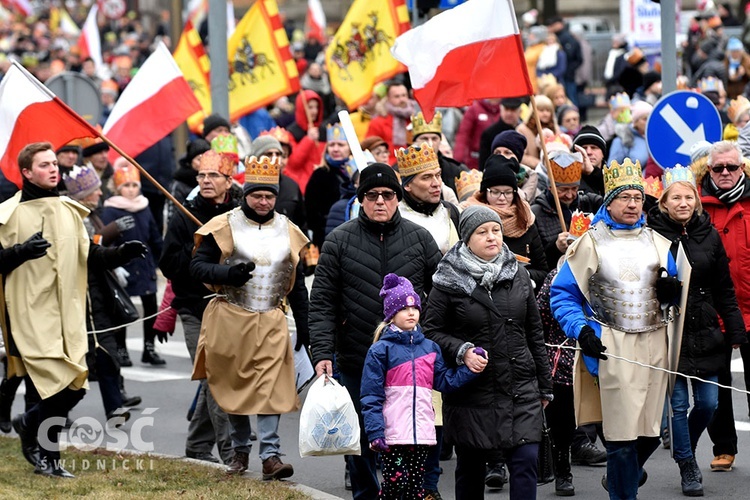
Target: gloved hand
(239,274)
(162,337)
(590,343)
(122,276)
(303,339)
(668,288)
(379,446)
(125,223)
(33,248)
(132,249)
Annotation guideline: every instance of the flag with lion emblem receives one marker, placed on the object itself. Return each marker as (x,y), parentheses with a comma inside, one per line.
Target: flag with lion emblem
(359,56)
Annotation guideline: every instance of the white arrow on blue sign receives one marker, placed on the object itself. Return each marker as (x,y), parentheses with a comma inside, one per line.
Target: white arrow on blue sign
(678,121)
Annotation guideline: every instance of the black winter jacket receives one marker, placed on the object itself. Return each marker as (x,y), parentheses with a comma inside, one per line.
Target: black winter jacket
(711,294)
(530,246)
(326,186)
(450,169)
(501,408)
(345,305)
(291,203)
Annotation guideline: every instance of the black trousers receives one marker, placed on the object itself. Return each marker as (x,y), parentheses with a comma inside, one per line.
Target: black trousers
(721,429)
(561,420)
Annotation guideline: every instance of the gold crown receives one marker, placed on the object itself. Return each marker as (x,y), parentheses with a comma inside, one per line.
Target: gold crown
(580,223)
(652,186)
(125,174)
(212,161)
(416,159)
(263,170)
(420,126)
(737,107)
(621,175)
(468,183)
(566,167)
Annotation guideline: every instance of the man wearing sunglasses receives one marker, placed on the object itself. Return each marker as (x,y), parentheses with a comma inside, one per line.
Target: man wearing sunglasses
(725,195)
(344,300)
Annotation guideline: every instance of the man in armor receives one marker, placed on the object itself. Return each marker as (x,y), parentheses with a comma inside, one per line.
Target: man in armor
(244,350)
(623,274)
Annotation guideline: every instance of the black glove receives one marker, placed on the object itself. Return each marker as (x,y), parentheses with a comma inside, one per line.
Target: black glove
(132,249)
(33,248)
(162,337)
(239,274)
(590,343)
(668,288)
(303,339)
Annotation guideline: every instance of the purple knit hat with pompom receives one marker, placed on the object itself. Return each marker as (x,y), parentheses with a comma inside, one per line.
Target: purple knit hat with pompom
(398,293)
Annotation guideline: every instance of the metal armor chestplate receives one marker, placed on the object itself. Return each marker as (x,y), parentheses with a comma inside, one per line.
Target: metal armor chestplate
(268,247)
(622,292)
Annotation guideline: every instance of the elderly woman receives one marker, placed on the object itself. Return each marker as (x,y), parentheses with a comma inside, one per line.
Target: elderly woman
(499,192)
(680,218)
(481,296)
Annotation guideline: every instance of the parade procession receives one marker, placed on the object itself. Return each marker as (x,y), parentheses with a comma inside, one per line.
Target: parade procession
(374,249)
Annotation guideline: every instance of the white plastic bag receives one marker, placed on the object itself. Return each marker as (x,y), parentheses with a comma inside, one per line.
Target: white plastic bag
(328,423)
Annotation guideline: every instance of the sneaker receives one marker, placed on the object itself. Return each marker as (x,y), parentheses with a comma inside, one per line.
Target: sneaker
(274,468)
(123,356)
(588,454)
(432,495)
(722,463)
(496,477)
(238,465)
(150,356)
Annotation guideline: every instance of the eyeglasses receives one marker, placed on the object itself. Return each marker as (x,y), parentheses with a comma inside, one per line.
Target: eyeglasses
(626,198)
(374,195)
(258,197)
(497,194)
(717,169)
(214,176)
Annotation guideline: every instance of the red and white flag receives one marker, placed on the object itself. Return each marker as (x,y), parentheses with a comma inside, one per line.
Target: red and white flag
(89,42)
(316,21)
(21,6)
(155,102)
(32,113)
(472,51)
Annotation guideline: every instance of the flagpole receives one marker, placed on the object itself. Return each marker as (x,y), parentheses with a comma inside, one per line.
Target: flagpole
(550,173)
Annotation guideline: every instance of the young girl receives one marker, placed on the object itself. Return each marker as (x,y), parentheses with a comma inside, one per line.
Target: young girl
(401,369)
(142,272)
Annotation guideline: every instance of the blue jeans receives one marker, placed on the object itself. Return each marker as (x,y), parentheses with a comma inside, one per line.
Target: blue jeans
(625,461)
(268,434)
(687,429)
(432,464)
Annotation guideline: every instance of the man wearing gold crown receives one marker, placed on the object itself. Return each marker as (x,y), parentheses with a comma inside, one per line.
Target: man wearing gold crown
(244,350)
(619,258)
(431,133)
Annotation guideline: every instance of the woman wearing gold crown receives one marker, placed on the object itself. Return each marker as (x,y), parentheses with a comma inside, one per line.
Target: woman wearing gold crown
(610,295)
(681,219)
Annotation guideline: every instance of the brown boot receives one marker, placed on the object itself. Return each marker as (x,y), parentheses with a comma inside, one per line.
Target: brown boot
(238,465)
(274,468)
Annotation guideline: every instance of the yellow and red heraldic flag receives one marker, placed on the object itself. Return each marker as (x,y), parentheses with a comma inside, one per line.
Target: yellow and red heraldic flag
(191,57)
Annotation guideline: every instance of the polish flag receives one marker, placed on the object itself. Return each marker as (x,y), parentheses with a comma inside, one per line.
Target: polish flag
(21,6)
(155,102)
(316,21)
(472,51)
(32,113)
(89,42)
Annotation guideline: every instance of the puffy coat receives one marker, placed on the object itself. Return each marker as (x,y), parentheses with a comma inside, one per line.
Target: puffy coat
(345,305)
(291,203)
(476,120)
(501,408)
(326,186)
(401,369)
(711,294)
(530,246)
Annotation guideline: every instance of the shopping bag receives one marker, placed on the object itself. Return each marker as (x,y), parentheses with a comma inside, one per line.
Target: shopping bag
(545,469)
(328,423)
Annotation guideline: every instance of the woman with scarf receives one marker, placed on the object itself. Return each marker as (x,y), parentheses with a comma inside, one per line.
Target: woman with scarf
(546,111)
(499,192)
(480,296)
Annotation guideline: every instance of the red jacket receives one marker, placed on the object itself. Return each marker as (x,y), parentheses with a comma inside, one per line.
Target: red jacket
(382,126)
(733,225)
(306,153)
(477,118)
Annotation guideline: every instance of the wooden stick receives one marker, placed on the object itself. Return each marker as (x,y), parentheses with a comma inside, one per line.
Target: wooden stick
(550,173)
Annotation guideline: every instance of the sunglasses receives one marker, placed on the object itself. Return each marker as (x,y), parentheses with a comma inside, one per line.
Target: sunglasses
(374,195)
(717,169)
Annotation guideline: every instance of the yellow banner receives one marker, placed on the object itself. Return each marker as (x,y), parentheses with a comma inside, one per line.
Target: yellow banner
(261,68)
(191,57)
(359,56)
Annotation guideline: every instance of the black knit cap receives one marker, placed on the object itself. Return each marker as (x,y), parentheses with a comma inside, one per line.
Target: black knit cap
(195,148)
(499,171)
(214,121)
(515,141)
(97,147)
(590,135)
(378,175)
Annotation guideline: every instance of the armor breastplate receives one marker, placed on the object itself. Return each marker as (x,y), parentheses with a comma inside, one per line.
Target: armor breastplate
(438,224)
(269,248)
(622,292)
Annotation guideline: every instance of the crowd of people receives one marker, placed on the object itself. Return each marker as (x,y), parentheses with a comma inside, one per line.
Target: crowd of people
(452,276)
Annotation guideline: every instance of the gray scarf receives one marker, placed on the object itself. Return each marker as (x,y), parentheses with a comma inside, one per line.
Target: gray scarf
(461,271)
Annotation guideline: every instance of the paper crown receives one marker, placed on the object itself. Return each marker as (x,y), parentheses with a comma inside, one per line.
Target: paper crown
(566,167)
(621,175)
(335,133)
(416,159)
(211,161)
(226,144)
(126,173)
(262,171)
(579,223)
(468,183)
(619,100)
(280,135)
(738,107)
(710,84)
(683,82)
(81,182)
(652,186)
(420,126)
(676,174)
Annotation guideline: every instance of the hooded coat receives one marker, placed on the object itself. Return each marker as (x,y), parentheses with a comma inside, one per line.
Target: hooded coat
(306,153)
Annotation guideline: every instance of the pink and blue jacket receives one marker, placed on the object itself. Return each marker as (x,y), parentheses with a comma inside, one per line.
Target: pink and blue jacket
(401,370)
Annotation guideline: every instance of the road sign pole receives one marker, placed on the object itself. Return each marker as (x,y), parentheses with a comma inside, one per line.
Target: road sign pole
(217,51)
(668,47)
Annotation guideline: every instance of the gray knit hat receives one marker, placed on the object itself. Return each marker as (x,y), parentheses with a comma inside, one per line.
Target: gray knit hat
(474,216)
(263,143)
